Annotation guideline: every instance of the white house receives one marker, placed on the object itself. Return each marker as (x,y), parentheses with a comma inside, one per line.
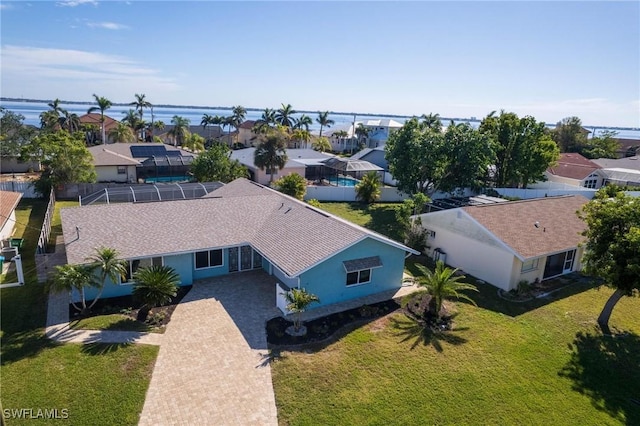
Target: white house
(621,171)
(574,169)
(379,132)
(506,243)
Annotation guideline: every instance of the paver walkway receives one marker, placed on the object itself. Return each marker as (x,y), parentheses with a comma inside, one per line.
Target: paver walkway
(212,368)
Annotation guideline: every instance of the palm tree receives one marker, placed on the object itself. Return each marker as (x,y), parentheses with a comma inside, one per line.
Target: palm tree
(362,132)
(340,135)
(228,123)
(284,116)
(105,260)
(368,189)
(321,144)
(135,122)
(303,122)
(180,129)
(324,121)
(266,121)
(49,120)
(271,155)
(301,135)
(122,133)
(432,121)
(70,122)
(194,142)
(154,286)
(298,299)
(56,108)
(442,284)
(206,121)
(140,104)
(237,117)
(103,105)
(73,277)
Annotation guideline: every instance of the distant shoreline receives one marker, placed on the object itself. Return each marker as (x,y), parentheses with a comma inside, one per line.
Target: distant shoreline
(359,114)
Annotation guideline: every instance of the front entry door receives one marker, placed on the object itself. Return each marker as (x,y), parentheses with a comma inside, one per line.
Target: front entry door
(245,257)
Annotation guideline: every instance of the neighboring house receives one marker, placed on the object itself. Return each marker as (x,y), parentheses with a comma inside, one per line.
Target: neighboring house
(574,169)
(11,164)
(239,227)
(379,132)
(305,162)
(94,120)
(628,147)
(506,243)
(246,136)
(622,171)
(8,203)
(133,162)
(211,132)
(374,156)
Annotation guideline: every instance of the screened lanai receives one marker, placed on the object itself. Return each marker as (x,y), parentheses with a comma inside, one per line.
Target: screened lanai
(165,168)
(149,192)
(343,171)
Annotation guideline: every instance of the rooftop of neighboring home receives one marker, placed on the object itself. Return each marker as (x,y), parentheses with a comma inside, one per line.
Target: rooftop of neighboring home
(574,166)
(123,154)
(248,124)
(365,152)
(8,202)
(288,232)
(632,163)
(296,157)
(212,131)
(534,227)
(95,119)
(628,145)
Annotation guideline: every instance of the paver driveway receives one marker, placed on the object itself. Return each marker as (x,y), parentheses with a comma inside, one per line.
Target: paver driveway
(212,366)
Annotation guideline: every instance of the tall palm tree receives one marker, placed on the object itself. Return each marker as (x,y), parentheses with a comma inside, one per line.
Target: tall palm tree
(284,116)
(56,108)
(324,121)
(140,104)
(206,121)
(228,123)
(298,300)
(122,133)
(106,261)
(180,129)
(266,121)
(362,132)
(70,122)
(303,122)
(271,155)
(73,277)
(154,286)
(103,105)
(432,121)
(237,117)
(442,284)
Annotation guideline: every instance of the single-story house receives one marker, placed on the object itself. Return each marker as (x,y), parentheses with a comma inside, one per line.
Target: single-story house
(506,243)
(239,227)
(133,162)
(8,202)
(621,171)
(574,169)
(305,162)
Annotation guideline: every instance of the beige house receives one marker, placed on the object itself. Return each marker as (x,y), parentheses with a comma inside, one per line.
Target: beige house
(576,170)
(506,243)
(246,135)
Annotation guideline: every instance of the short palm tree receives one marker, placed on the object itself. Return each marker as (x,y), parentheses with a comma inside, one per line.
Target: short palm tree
(122,133)
(194,142)
(154,286)
(106,262)
(442,284)
(298,300)
(284,116)
(368,189)
(73,277)
(271,155)
(103,105)
(180,129)
(324,121)
(321,144)
(301,137)
(71,122)
(49,120)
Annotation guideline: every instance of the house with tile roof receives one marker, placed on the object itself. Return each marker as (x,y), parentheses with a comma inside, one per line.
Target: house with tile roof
(506,243)
(239,227)
(574,169)
(94,119)
(8,202)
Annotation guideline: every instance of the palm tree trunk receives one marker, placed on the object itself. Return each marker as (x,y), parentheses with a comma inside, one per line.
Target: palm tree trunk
(603,319)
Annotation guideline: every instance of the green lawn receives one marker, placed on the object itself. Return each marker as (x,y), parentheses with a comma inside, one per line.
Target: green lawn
(543,362)
(99,384)
(113,322)
(379,217)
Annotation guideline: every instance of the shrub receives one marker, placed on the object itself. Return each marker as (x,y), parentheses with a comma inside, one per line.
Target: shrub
(293,185)
(313,202)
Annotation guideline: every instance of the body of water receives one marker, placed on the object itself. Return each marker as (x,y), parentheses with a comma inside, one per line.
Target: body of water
(32,110)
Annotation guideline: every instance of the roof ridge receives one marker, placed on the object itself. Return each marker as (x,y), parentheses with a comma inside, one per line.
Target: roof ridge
(552,197)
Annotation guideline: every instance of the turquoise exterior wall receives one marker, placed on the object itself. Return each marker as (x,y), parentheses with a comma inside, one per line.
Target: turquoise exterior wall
(328,279)
(211,272)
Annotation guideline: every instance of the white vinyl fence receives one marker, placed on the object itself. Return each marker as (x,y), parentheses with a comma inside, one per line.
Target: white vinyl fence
(281,302)
(348,194)
(26,188)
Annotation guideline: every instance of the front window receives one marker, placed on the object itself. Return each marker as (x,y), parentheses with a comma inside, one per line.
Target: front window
(133,265)
(359,277)
(208,259)
(122,170)
(529,265)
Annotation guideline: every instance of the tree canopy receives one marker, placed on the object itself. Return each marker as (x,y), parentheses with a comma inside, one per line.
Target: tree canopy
(64,157)
(13,133)
(612,250)
(293,185)
(271,154)
(215,165)
(570,135)
(523,148)
(603,146)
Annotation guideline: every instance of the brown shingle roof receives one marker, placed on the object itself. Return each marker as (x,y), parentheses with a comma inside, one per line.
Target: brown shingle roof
(514,223)
(573,166)
(290,233)
(8,202)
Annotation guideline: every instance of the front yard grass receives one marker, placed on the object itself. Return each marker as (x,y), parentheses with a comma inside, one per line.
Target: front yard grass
(99,384)
(379,217)
(112,322)
(546,366)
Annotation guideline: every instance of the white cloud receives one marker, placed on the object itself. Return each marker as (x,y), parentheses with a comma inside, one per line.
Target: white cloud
(107,25)
(74,3)
(4,6)
(75,74)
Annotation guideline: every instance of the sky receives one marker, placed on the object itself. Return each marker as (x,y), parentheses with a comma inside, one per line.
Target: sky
(459,59)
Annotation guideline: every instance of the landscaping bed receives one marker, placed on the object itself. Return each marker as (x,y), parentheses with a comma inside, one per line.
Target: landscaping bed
(117,313)
(325,328)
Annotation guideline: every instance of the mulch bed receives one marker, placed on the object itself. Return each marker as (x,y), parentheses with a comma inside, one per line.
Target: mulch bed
(159,316)
(325,328)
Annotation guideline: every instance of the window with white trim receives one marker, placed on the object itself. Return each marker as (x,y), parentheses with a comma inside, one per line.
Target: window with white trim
(529,265)
(359,277)
(591,183)
(208,259)
(122,170)
(134,264)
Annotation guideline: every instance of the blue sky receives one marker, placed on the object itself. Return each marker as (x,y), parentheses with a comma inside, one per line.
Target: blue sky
(459,59)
